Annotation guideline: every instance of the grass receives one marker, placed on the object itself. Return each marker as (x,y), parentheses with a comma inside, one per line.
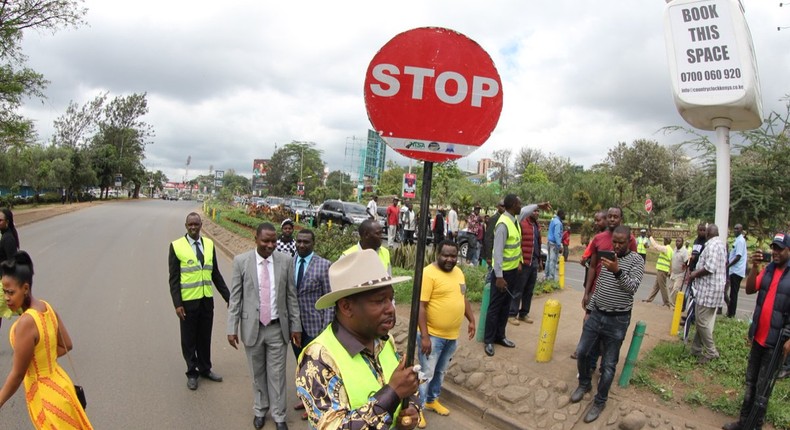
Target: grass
(669,370)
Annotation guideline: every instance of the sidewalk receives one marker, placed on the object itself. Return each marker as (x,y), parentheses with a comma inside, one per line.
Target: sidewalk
(512,391)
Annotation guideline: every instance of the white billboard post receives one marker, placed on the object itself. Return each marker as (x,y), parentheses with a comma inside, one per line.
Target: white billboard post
(714,78)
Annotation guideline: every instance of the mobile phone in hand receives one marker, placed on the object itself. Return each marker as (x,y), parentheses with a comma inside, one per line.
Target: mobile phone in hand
(609,255)
(767,257)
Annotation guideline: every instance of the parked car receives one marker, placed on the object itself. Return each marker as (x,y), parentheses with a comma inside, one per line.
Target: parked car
(274,202)
(300,207)
(340,213)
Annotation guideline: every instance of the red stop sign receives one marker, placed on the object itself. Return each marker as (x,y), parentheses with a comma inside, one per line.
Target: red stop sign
(433,94)
(649,205)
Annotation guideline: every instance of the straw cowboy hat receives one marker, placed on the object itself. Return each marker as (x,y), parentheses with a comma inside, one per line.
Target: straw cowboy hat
(356,273)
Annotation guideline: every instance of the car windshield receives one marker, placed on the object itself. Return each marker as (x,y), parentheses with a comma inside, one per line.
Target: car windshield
(274,200)
(299,204)
(354,209)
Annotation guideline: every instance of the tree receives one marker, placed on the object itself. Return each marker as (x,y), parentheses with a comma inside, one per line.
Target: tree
(290,163)
(16,83)
(77,125)
(338,186)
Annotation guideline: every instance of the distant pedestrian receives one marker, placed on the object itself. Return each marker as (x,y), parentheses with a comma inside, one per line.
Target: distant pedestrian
(373,208)
(772,307)
(680,258)
(663,266)
(286,243)
(566,242)
(736,265)
(452,222)
(439,227)
(443,306)
(610,315)
(709,279)
(392,222)
(554,245)
(642,243)
(409,224)
(38,337)
(193,269)
(475,230)
(488,238)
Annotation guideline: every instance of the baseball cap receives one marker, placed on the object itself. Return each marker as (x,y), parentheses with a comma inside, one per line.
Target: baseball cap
(781,240)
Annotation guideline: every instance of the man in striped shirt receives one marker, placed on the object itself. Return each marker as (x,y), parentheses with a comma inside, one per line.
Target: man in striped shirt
(610,315)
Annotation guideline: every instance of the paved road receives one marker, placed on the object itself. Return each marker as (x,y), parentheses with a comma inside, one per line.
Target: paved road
(104,269)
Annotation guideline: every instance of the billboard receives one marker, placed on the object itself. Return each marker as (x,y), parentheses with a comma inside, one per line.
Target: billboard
(259,169)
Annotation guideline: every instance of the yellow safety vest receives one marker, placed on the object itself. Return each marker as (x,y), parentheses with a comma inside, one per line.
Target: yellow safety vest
(665,260)
(640,245)
(384,255)
(511,255)
(195,280)
(358,380)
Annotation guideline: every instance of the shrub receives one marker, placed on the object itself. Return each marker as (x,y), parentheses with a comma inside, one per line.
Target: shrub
(405,255)
(331,242)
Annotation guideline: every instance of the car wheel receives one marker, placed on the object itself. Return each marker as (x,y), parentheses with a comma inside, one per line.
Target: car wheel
(463,250)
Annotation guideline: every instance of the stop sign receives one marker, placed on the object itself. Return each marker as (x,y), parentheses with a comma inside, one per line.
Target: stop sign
(649,205)
(433,94)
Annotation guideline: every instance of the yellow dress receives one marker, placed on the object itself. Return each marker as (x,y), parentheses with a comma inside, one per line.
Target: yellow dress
(51,400)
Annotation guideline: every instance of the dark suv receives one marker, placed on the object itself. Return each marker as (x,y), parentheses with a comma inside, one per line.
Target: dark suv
(340,213)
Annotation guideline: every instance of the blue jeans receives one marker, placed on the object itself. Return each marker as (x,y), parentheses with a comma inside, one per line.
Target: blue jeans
(608,332)
(434,366)
(551,261)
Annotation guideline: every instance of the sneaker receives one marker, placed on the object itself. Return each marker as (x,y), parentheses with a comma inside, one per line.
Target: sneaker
(422,424)
(526,319)
(514,321)
(784,373)
(437,407)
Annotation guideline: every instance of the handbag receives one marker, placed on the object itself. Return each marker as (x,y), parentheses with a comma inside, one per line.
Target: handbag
(77,388)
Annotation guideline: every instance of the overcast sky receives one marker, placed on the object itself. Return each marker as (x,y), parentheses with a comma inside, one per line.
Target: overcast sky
(226,81)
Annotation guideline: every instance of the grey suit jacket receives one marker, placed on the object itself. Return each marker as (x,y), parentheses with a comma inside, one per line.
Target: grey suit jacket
(245,300)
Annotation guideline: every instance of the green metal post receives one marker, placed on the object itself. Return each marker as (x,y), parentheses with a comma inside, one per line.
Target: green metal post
(633,353)
(481,322)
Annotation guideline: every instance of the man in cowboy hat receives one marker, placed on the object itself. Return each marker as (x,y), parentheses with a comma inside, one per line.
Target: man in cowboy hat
(354,356)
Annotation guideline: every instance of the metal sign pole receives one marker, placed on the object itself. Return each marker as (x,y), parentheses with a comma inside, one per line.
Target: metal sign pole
(422,236)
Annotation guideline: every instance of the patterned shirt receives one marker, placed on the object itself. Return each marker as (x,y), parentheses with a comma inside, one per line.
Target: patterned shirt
(710,288)
(616,293)
(287,247)
(323,393)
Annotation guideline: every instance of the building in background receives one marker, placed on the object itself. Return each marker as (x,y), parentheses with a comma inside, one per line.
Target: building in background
(485,165)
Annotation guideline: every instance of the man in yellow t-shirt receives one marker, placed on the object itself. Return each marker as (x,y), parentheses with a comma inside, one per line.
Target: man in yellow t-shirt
(443,306)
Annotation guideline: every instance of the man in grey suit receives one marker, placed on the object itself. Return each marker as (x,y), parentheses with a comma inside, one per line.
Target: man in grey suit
(263,310)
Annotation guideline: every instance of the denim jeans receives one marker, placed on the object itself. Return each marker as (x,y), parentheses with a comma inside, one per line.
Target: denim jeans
(473,251)
(609,332)
(551,261)
(434,366)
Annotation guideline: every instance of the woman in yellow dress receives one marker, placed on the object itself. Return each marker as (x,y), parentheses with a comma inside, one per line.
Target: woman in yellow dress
(38,338)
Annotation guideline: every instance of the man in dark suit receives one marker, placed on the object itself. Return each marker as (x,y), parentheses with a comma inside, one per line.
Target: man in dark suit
(193,269)
(263,310)
(312,282)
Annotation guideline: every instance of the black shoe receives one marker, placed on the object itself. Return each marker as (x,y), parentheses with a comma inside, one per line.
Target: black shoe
(258,422)
(490,349)
(281,426)
(507,343)
(594,411)
(212,376)
(192,382)
(735,425)
(578,393)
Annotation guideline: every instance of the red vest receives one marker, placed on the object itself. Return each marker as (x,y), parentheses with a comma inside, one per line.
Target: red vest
(528,240)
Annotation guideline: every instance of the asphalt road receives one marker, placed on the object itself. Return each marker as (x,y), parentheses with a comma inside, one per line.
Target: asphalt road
(104,270)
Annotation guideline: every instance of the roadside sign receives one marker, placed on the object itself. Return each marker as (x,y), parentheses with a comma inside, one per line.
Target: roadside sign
(218,175)
(433,94)
(118,180)
(649,205)
(409,185)
(300,188)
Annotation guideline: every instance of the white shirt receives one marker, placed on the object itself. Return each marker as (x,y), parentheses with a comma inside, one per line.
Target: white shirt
(192,243)
(452,221)
(373,209)
(272,289)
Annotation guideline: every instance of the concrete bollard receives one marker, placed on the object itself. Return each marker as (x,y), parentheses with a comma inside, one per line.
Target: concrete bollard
(481,322)
(548,331)
(561,271)
(675,327)
(633,353)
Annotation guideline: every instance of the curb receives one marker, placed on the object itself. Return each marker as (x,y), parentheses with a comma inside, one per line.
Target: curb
(471,404)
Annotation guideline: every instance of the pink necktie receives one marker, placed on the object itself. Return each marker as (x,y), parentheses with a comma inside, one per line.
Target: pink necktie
(265,284)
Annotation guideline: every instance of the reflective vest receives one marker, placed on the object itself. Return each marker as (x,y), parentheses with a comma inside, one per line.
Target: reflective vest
(195,280)
(640,245)
(511,255)
(665,260)
(359,381)
(384,255)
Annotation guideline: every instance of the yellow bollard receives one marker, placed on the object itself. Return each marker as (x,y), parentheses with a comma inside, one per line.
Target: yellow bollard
(297,218)
(548,331)
(329,224)
(561,271)
(673,330)
(214,214)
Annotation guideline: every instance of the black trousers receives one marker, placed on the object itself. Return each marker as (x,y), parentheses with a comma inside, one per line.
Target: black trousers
(735,287)
(756,380)
(499,305)
(196,335)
